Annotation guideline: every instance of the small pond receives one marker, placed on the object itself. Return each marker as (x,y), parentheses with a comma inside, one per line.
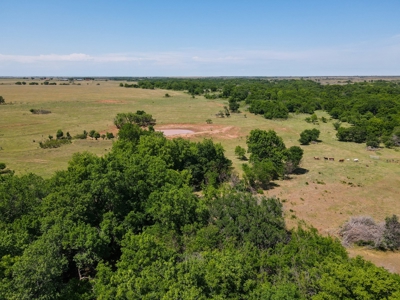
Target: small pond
(169,132)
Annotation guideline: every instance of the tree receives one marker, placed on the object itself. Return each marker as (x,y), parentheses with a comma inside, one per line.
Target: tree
(140,118)
(391,235)
(259,174)
(247,218)
(264,144)
(91,133)
(227,112)
(59,134)
(314,118)
(2,101)
(130,132)
(308,136)
(233,105)
(96,135)
(293,157)
(240,152)
(109,135)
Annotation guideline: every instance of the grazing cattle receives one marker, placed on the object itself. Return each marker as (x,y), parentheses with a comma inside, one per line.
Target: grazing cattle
(316,158)
(367,165)
(331,158)
(325,158)
(341,160)
(356,159)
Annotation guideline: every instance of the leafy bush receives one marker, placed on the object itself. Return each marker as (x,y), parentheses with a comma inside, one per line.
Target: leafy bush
(81,136)
(140,118)
(54,143)
(391,236)
(39,111)
(240,152)
(308,136)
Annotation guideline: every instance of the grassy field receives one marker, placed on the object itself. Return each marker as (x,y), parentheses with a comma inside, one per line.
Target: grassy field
(326,195)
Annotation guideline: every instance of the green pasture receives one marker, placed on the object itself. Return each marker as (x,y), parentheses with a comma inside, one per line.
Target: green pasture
(93,105)
(326,194)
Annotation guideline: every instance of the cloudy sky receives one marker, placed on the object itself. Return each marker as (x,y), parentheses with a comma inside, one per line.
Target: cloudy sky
(199,38)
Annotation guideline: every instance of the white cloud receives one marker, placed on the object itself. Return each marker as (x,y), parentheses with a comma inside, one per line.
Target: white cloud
(367,58)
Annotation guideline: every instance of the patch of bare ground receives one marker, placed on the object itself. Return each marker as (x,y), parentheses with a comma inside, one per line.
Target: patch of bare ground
(204,130)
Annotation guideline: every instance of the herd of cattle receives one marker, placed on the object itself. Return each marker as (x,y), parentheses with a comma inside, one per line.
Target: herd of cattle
(392,160)
(332,159)
(355,159)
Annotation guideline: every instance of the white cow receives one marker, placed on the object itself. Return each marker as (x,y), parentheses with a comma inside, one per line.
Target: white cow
(356,159)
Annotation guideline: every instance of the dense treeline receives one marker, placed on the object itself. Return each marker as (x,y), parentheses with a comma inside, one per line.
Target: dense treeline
(371,108)
(130,226)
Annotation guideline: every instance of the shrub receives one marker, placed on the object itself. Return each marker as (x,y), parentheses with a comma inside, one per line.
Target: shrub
(309,135)
(54,143)
(336,125)
(140,118)
(109,135)
(59,134)
(240,152)
(91,133)
(81,136)
(373,143)
(391,236)
(39,111)
(2,101)
(362,231)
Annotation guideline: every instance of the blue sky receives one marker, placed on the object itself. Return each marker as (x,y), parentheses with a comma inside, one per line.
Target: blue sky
(199,38)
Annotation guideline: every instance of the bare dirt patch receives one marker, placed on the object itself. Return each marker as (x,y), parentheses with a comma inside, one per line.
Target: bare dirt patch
(204,130)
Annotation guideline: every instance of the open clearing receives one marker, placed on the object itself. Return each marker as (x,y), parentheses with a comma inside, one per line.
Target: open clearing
(325,194)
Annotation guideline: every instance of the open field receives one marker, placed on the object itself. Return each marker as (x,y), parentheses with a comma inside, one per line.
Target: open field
(326,195)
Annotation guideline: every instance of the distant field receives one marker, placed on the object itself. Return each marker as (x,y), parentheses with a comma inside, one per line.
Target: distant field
(326,195)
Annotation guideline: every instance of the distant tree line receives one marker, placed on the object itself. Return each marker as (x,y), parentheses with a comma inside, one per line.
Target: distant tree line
(371,108)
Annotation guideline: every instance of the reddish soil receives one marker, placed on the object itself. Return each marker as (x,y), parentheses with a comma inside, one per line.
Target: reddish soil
(205,130)
(199,130)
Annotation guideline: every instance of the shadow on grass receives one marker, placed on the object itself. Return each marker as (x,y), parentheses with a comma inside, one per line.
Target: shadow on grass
(298,171)
(270,186)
